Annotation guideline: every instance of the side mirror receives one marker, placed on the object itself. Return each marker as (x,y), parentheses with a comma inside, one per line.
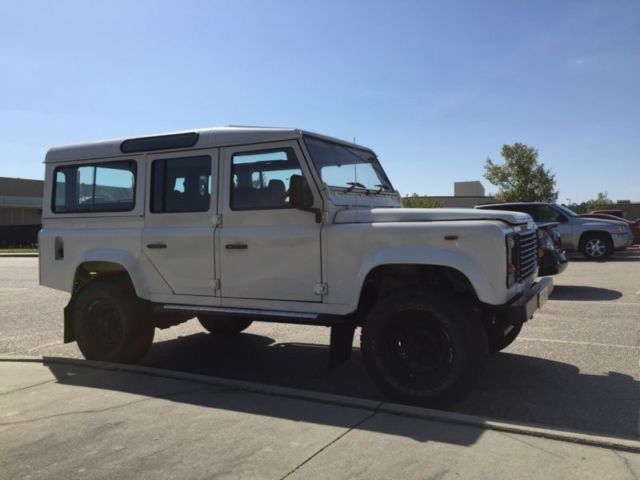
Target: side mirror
(561,219)
(300,195)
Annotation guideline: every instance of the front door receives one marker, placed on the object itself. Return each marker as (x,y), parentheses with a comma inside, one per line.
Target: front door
(268,249)
(178,237)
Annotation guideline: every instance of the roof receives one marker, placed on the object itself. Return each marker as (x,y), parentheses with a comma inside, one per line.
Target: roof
(196,139)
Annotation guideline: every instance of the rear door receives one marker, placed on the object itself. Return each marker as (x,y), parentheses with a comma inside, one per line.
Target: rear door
(178,237)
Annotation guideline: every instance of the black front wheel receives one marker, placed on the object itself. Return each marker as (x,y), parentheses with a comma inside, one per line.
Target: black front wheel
(423,347)
(110,323)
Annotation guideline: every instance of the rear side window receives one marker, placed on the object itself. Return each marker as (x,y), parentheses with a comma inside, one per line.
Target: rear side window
(181,185)
(100,187)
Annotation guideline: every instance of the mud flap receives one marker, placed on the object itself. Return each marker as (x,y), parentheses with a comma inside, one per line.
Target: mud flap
(341,343)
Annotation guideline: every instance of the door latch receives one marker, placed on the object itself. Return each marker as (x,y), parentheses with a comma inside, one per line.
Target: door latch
(321,289)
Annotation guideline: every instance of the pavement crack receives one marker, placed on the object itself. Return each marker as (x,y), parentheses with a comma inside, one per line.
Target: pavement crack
(626,464)
(100,410)
(28,387)
(332,442)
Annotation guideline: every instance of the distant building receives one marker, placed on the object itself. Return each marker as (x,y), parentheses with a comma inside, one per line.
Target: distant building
(20,211)
(465,195)
(20,201)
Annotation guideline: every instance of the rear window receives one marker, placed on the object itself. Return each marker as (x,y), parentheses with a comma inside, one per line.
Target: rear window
(99,187)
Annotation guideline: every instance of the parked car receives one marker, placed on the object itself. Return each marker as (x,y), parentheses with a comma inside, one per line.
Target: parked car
(615,213)
(634,225)
(552,259)
(239,224)
(597,239)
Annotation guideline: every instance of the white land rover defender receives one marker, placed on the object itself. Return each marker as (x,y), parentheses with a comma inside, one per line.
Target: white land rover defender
(237,224)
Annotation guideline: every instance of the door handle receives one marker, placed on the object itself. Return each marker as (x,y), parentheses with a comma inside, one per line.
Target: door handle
(236,246)
(156,245)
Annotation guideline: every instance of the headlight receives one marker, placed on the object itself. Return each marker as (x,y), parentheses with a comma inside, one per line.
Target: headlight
(545,241)
(620,229)
(512,256)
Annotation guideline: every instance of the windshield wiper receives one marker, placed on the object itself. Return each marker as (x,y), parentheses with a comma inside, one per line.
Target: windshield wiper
(353,185)
(381,188)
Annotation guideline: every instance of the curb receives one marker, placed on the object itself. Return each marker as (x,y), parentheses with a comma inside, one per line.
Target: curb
(612,443)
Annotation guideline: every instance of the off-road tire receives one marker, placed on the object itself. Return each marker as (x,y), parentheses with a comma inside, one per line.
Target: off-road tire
(110,323)
(422,346)
(221,325)
(596,246)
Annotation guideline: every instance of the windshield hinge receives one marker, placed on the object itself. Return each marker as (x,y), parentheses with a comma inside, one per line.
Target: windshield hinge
(321,289)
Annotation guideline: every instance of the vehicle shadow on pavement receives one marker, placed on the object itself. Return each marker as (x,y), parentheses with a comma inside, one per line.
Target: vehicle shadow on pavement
(231,400)
(584,293)
(512,387)
(635,257)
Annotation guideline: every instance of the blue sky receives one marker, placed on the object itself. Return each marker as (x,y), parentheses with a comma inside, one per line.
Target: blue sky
(433,88)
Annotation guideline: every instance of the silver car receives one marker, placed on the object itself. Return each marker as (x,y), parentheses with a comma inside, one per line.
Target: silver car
(596,238)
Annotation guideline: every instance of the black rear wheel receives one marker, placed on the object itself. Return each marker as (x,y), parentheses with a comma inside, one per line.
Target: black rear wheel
(222,325)
(110,323)
(423,347)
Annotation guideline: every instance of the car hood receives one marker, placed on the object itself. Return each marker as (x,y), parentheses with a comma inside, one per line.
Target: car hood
(383,215)
(600,221)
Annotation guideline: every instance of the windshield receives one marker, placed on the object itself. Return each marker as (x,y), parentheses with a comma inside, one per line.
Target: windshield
(347,167)
(567,211)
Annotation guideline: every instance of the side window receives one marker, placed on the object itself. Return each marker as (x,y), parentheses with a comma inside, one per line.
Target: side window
(181,185)
(546,214)
(102,187)
(261,180)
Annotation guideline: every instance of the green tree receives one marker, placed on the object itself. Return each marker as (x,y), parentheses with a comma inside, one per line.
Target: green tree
(521,178)
(601,202)
(416,201)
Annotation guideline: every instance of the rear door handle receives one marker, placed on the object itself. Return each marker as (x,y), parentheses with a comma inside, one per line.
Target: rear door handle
(236,246)
(156,245)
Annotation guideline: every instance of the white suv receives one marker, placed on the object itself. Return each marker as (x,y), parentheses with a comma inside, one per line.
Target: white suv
(237,224)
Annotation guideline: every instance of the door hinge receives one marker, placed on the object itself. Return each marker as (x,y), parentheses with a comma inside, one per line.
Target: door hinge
(321,289)
(214,284)
(216,219)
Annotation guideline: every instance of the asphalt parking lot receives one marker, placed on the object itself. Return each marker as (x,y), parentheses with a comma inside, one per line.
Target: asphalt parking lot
(575,365)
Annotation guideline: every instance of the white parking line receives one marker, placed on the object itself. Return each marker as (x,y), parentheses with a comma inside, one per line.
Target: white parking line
(595,302)
(573,342)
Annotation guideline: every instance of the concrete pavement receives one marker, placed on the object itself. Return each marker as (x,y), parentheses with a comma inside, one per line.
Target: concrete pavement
(86,420)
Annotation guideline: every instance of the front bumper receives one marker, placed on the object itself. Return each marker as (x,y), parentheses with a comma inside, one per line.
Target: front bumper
(622,241)
(525,305)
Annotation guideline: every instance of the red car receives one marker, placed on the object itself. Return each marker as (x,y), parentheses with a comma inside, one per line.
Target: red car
(634,226)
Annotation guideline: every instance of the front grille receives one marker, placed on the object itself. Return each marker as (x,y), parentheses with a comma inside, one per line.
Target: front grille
(527,254)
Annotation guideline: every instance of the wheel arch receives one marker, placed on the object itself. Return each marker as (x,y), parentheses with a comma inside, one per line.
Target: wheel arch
(586,233)
(106,262)
(387,277)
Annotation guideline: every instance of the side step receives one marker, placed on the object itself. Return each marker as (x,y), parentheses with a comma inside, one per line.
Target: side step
(275,316)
